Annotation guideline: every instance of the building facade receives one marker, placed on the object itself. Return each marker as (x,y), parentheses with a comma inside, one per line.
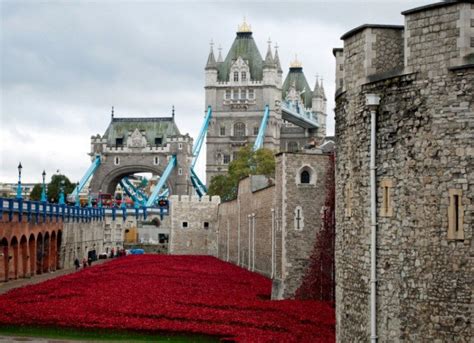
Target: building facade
(424,177)
(239,87)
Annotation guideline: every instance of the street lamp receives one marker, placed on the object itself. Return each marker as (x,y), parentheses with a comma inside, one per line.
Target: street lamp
(61,193)
(78,203)
(18,188)
(43,189)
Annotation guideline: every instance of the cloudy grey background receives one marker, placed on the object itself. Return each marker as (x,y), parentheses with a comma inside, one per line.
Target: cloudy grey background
(63,65)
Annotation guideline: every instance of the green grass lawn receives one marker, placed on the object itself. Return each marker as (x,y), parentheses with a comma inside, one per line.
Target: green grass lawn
(100,335)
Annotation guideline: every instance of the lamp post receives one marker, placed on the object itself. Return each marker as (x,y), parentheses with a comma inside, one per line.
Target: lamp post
(77,195)
(19,190)
(43,188)
(61,193)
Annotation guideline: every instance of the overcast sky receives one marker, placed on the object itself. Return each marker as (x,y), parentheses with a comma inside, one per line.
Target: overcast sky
(65,63)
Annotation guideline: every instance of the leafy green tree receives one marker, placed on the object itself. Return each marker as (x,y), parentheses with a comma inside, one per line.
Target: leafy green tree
(35,194)
(261,162)
(54,187)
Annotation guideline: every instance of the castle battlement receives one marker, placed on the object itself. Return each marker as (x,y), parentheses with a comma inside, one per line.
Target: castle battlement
(194,199)
(434,39)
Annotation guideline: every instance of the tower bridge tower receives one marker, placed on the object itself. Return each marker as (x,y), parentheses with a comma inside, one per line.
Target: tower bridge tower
(239,87)
(134,145)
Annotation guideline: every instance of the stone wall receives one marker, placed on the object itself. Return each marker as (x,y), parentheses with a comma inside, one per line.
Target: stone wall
(297,210)
(272,230)
(80,238)
(245,228)
(425,126)
(193,225)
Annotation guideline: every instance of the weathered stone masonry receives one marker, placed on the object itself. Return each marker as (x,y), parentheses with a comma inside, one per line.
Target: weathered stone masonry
(425,130)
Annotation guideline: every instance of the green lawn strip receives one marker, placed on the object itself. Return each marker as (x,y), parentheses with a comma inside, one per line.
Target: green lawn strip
(101,335)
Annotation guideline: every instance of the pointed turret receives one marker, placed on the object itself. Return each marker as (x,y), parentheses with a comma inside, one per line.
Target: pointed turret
(276,59)
(319,89)
(269,62)
(211,60)
(297,78)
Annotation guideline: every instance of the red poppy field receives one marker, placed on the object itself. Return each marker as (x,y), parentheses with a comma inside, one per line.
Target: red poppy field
(169,294)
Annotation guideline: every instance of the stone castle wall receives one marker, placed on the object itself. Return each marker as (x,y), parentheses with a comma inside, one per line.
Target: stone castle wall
(245,228)
(193,225)
(271,229)
(425,123)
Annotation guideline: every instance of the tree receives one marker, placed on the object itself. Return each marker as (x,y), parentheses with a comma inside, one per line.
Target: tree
(35,194)
(54,187)
(248,162)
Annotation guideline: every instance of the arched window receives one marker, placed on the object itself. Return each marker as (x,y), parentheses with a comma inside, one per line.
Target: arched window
(117,161)
(239,129)
(305,177)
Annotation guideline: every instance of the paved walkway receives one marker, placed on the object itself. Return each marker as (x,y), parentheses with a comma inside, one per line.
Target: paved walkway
(6,286)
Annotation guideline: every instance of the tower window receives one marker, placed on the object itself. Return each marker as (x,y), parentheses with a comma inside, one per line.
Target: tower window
(184,225)
(222,131)
(117,161)
(236,76)
(251,94)
(239,129)
(156,160)
(206,225)
(244,76)
(255,130)
(118,142)
(180,171)
(226,159)
(180,146)
(235,94)
(227,94)
(158,141)
(305,177)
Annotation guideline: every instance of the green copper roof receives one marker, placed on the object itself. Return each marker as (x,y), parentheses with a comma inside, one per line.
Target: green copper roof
(153,128)
(297,77)
(245,47)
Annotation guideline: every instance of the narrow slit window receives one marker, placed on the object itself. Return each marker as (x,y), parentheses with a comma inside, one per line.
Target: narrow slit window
(386,209)
(455,215)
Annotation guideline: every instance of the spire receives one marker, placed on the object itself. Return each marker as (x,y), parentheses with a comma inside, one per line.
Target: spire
(322,90)
(269,58)
(219,58)
(277,60)
(211,60)
(318,89)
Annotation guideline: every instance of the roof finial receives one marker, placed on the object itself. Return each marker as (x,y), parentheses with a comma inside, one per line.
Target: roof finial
(269,41)
(276,46)
(211,43)
(295,63)
(244,27)
(112,114)
(172,111)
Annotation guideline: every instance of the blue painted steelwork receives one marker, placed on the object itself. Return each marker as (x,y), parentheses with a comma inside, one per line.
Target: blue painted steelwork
(48,211)
(296,114)
(85,178)
(198,185)
(261,131)
(169,168)
(130,193)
